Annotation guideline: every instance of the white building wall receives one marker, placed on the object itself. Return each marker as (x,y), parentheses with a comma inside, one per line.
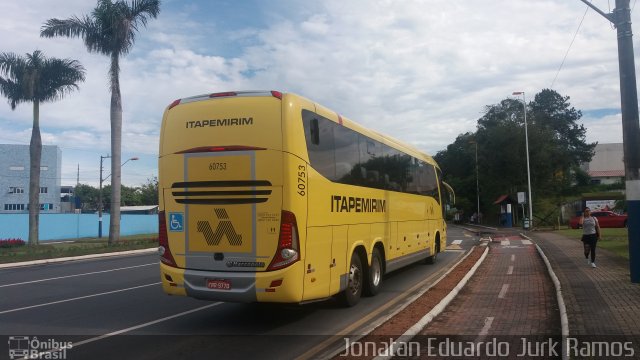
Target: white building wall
(14,178)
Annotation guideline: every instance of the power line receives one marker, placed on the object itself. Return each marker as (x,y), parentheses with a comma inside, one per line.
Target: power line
(570,45)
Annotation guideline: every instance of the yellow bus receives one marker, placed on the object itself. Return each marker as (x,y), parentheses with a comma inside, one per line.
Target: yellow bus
(269,197)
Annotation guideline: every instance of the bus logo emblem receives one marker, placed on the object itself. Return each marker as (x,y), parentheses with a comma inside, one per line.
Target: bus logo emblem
(225,227)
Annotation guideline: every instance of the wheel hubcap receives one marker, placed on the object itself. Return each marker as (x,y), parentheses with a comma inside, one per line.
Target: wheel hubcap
(376,273)
(355,277)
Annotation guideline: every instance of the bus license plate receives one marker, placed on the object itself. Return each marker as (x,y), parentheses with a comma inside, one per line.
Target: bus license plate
(218,284)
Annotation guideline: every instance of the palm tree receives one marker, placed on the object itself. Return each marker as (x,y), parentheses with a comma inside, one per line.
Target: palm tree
(109,30)
(36,79)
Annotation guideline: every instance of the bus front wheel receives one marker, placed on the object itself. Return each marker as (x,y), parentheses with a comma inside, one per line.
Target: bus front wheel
(351,295)
(433,258)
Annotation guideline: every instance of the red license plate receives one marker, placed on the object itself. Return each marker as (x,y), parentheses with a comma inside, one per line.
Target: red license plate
(218,284)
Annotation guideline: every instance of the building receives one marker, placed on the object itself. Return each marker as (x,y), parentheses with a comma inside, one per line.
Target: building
(607,164)
(67,200)
(14,178)
(139,210)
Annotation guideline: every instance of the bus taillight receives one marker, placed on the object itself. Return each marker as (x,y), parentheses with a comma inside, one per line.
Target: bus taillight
(174,104)
(288,251)
(276,94)
(163,241)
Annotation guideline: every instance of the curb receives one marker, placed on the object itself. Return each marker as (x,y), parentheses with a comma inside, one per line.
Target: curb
(333,353)
(81,257)
(564,320)
(417,327)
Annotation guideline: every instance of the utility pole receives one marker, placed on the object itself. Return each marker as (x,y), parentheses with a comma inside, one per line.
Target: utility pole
(100,198)
(74,197)
(621,19)
(477,180)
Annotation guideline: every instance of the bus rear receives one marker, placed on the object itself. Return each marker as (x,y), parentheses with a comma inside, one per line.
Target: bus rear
(224,232)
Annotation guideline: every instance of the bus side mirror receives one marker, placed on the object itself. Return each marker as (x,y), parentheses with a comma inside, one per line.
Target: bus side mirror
(315,132)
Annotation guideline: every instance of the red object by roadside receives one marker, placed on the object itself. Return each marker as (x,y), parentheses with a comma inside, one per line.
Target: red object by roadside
(606,219)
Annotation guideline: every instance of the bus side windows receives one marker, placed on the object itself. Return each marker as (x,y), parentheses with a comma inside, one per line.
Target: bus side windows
(315,132)
(320,143)
(422,180)
(347,156)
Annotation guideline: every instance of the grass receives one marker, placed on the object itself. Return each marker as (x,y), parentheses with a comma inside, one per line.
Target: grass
(84,246)
(613,239)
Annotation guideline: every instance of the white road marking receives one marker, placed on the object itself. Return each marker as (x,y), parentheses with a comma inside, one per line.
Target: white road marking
(503,291)
(456,242)
(118,332)
(527,242)
(75,275)
(510,271)
(136,327)
(505,242)
(513,257)
(485,329)
(77,298)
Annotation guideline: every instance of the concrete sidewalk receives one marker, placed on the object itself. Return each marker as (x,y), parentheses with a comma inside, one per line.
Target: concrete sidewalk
(512,298)
(600,301)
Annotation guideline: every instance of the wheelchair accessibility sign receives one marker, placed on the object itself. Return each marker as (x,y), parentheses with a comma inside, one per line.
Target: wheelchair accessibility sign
(176,221)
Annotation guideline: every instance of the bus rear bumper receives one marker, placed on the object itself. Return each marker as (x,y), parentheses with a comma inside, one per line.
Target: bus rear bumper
(272,286)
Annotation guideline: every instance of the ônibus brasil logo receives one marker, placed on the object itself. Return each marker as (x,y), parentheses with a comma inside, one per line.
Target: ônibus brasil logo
(25,347)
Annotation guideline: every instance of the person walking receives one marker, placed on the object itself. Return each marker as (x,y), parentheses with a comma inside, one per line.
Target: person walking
(590,235)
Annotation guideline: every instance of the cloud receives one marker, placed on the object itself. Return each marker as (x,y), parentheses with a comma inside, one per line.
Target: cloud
(604,130)
(421,71)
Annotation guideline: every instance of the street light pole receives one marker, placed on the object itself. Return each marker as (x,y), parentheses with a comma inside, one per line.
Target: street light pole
(100,191)
(526,139)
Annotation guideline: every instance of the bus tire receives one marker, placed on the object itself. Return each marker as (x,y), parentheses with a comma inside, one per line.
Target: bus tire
(374,274)
(355,276)
(433,258)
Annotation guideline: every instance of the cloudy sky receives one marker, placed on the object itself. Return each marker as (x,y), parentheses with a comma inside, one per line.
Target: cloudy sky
(419,70)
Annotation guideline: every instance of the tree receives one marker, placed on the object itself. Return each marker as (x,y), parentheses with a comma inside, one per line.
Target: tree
(88,196)
(109,30)
(130,196)
(36,78)
(149,192)
(557,120)
(557,146)
(457,162)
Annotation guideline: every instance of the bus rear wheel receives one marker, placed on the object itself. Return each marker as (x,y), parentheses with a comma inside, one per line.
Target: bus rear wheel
(351,295)
(374,274)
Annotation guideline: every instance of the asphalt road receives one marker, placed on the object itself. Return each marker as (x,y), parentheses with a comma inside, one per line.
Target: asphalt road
(115,308)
